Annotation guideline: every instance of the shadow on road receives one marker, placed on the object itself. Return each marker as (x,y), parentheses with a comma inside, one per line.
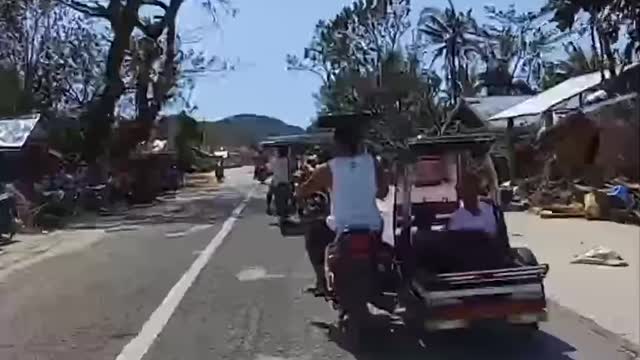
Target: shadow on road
(390,339)
(290,228)
(189,207)
(6,242)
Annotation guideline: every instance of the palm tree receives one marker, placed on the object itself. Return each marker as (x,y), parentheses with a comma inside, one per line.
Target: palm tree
(514,50)
(578,62)
(500,53)
(453,37)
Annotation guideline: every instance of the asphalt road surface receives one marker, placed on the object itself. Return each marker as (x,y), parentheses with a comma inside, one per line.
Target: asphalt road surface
(142,294)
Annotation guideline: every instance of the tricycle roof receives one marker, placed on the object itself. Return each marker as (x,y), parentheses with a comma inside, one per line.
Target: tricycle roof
(311,139)
(451,143)
(333,121)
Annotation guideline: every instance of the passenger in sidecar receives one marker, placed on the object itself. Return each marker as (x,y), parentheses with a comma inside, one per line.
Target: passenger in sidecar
(453,249)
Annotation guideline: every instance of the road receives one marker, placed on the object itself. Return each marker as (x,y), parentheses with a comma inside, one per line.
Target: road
(159,292)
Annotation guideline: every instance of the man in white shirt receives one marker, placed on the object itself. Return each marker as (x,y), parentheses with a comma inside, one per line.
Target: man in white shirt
(354,179)
(280,168)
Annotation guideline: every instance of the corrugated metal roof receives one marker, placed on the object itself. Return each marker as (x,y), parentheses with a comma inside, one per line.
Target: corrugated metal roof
(15,131)
(549,98)
(486,107)
(520,122)
(325,137)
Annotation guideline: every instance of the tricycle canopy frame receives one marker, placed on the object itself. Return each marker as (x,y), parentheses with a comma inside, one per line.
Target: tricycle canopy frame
(411,195)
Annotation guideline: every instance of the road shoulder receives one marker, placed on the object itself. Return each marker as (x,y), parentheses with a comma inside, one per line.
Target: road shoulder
(607,295)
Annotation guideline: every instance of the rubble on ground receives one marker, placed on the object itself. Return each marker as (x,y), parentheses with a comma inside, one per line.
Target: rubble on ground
(617,200)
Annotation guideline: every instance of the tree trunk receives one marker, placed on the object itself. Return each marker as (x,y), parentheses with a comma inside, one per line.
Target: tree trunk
(167,77)
(594,46)
(513,170)
(611,58)
(100,115)
(148,53)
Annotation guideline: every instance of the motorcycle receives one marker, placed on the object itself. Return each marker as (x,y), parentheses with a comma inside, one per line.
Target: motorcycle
(358,269)
(8,215)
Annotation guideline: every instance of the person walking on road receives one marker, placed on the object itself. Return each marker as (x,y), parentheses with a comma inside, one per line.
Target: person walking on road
(280,181)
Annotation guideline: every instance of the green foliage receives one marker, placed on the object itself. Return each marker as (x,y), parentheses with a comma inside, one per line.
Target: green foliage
(354,40)
(364,66)
(512,53)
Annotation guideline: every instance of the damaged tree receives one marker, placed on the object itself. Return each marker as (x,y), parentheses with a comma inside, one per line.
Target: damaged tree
(50,57)
(123,18)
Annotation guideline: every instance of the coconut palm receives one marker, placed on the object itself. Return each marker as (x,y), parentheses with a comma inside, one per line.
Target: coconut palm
(452,37)
(578,62)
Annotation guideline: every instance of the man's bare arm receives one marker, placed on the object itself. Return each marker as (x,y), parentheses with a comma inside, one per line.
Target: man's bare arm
(320,180)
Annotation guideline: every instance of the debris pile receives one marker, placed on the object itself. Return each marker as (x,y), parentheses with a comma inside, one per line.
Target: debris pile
(617,200)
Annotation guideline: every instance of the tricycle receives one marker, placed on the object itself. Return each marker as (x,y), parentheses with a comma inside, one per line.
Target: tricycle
(456,278)
(295,145)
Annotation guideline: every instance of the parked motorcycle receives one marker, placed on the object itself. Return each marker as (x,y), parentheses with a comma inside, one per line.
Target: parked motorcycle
(55,206)
(8,215)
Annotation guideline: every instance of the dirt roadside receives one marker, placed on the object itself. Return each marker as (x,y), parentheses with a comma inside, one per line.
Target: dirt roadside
(610,296)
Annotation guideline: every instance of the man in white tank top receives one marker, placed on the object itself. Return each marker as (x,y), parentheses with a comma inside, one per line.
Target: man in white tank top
(355,179)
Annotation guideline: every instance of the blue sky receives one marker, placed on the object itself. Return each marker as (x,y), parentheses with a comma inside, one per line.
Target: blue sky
(259,37)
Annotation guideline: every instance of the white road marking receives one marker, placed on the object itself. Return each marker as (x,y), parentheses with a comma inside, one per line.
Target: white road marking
(192,230)
(256,273)
(139,345)
(267,357)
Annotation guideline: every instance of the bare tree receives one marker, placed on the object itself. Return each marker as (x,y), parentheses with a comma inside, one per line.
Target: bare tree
(56,53)
(123,17)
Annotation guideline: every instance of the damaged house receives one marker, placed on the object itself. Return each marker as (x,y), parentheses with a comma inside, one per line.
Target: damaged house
(474,114)
(589,127)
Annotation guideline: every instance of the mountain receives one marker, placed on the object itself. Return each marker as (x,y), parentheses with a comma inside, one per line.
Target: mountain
(245,130)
